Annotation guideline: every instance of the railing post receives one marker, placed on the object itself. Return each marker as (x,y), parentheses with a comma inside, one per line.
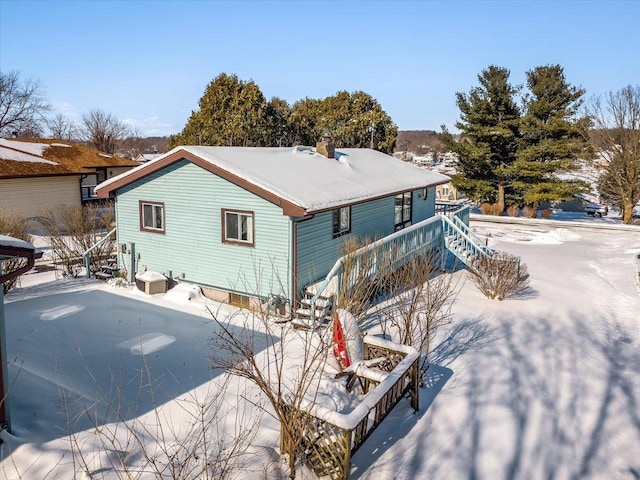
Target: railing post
(87,264)
(346,465)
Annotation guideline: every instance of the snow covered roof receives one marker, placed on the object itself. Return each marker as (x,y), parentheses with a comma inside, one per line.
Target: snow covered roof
(12,242)
(299,179)
(38,157)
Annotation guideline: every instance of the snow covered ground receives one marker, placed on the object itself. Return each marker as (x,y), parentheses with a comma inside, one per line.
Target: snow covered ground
(546,386)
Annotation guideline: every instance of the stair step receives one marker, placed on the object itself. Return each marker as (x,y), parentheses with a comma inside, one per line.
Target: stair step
(320,302)
(103,275)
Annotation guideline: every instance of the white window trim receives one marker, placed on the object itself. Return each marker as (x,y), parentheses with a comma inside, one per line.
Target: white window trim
(250,227)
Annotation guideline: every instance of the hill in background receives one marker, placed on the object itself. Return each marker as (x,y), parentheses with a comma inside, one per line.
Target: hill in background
(419,142)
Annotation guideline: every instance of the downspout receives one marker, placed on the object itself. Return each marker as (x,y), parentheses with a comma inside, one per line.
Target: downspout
(82,177)
(294,262)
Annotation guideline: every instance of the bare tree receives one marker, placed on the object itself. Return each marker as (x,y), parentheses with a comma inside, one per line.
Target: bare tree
(420,301)
(73,229)
(61,127)
(22,105)
(616,136)
(260,351)
(104,131)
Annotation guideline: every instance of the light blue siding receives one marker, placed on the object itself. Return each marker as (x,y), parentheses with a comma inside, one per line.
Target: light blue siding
(192,243)
(318,250)
(423,209)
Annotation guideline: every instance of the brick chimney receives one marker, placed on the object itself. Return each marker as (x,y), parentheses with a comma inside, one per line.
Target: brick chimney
(325,147)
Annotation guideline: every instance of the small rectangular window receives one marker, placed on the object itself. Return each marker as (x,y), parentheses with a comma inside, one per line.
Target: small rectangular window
(237,227)
(403,210)
(341,221)
(152,217)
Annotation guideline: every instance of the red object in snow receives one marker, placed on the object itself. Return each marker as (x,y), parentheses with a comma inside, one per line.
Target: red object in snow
(339,343)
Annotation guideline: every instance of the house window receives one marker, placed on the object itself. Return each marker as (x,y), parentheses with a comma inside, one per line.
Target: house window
(341,221)
(152,217)
(445,191)
(403,210)
(237,227)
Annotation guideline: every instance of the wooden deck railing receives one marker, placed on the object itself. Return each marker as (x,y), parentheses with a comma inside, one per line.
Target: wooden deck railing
(330,438)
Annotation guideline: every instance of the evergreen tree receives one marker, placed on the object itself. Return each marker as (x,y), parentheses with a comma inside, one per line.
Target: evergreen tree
(552,138)
(277,124)
(231,113)
(234,112)
(353,120)
(489,128)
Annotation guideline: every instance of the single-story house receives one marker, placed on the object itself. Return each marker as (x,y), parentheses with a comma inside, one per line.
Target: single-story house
(257,222)
(40,174)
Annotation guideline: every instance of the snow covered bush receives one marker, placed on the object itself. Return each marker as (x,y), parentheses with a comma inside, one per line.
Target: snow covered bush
(500,275)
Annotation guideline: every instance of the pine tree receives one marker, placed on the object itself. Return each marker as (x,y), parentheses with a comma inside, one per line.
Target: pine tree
(231,113)
(552,138)
(354,120)
(489,128)
(235,112)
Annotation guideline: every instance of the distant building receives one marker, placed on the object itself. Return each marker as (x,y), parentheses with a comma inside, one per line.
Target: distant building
(146,157)
(36,175)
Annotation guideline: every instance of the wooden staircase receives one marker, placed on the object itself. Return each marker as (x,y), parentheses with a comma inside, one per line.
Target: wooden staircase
(108,268)
(322,309)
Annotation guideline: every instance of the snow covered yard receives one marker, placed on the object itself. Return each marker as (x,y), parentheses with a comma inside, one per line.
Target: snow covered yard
(544,386)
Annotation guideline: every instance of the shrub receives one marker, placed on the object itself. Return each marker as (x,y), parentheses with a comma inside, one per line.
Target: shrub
(546,213)
(530,212)
(491,209)
(500,275)
(513,211)
(74,229)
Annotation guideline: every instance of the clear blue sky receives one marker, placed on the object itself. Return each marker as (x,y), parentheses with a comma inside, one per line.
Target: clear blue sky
(148,62)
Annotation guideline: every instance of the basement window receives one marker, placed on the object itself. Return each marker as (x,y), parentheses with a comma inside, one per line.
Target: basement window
(239,300)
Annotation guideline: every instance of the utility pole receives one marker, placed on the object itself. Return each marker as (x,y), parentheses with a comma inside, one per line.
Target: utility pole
(372,130)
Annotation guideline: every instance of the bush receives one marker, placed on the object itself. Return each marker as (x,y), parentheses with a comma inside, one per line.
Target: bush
(17,228)
(491,209)
(73,230)
(513,211)
(530,212)
(546,213)
(500,275)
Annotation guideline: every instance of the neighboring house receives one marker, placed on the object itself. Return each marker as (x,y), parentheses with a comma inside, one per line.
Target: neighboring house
(36,175)
(146,157)
(448,192)
(256,222)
